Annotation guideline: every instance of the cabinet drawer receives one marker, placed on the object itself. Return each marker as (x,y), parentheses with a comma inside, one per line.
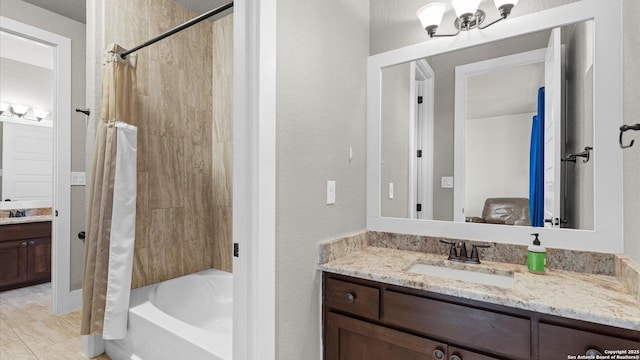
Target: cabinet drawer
(461,325)
(353,298)
(557,341)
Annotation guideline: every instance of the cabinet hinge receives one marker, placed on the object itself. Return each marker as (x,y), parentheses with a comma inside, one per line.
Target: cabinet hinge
(419,207)
(236,251)
(419,99)
(419,153)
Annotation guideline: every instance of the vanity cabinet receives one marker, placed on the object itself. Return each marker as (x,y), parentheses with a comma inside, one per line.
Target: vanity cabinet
(25,254)
(369,320)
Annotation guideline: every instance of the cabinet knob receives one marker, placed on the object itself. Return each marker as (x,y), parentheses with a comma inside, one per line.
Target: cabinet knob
(350,298)
(438,354)
(32,243)
(593,352)
(455,357)
(23,244)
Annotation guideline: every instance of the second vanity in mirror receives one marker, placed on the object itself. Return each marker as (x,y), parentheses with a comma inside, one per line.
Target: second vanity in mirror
(454,146)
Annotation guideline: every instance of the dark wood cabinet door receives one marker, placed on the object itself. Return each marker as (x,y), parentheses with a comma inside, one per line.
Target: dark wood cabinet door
(467,355)
(558,342)
(13,263)
(351,339)
(39,259)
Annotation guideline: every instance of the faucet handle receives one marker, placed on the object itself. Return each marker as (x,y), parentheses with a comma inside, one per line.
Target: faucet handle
(452,250)
(474,252)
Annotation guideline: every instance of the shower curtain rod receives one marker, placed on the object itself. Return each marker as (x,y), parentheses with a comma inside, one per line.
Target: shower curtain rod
(179,28)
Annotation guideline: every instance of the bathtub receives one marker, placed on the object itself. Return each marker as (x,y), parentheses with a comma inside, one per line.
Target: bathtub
(184,318)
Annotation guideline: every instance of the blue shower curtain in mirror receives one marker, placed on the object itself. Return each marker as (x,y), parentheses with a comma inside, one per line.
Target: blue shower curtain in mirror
(536,165)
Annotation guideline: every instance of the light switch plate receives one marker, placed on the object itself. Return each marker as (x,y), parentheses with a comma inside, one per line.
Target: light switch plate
(78,178)
(446,182)
(331,192)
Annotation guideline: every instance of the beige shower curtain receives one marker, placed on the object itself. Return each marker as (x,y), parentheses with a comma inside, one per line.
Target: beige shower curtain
(111,212)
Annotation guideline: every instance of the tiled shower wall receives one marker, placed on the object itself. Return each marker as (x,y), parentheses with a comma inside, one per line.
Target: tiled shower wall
(175,205)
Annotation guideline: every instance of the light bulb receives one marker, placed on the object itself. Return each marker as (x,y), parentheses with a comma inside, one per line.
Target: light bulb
(465,7)
(19,109)
(505,2)
(431,14)
(40,114)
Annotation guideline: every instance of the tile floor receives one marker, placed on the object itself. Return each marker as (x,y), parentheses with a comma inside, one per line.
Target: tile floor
(28,331)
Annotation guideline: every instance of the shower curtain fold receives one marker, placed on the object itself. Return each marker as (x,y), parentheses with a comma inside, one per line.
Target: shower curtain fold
(112,203)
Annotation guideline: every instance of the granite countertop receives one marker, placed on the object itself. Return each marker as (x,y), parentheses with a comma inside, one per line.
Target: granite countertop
(589,297)
(25,219)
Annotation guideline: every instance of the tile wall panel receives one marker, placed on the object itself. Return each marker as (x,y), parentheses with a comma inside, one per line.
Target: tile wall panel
(175,214)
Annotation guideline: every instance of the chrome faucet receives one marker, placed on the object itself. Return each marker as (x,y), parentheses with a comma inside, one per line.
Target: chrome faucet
(461,256)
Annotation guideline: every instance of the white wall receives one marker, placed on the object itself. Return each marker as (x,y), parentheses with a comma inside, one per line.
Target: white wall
(320,92)
(46,20)
(496,159)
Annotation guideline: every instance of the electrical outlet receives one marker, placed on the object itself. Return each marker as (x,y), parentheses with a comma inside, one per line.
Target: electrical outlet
(446,182)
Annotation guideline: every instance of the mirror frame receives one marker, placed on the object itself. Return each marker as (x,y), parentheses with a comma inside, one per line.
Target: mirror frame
(607,235)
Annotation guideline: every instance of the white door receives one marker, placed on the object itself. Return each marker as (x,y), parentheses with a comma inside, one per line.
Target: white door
(28,162)
(553,130)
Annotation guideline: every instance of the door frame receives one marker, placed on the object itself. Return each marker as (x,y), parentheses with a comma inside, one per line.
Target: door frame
(63,299)
(254,178)
(463,72)
(422,178)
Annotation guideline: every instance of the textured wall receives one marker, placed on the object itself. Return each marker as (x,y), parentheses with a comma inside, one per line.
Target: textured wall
(631,101)
(322,49)
(173,225)
(46,20)
(223,142)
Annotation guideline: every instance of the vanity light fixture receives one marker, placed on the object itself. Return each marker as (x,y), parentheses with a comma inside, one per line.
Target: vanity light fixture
(21,111)
(468,16)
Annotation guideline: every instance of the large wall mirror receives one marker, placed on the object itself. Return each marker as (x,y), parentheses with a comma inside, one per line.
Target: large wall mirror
(27,81)
(498,133)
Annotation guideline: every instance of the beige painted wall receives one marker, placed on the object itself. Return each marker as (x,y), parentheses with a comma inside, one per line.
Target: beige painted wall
(46,20)
(173,221)
(322,49)
(393,25)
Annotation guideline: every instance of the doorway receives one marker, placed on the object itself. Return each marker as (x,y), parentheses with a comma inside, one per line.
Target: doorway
(63,299)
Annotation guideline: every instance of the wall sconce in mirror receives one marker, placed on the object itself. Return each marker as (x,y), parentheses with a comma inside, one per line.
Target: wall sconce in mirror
(468,16)
(19,110)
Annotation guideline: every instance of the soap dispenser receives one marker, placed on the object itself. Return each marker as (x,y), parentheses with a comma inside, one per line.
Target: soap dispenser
(537,256)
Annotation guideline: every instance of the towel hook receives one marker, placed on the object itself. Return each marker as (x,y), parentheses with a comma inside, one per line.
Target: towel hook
(624,128)
(84,111)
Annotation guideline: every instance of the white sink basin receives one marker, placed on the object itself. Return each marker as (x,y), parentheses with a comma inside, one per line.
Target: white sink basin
(503,278)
